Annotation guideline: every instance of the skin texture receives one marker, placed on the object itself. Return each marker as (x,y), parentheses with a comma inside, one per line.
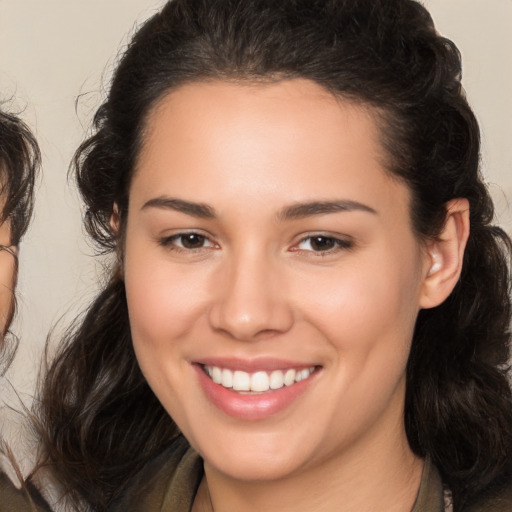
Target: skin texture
(255,289)
(7,277)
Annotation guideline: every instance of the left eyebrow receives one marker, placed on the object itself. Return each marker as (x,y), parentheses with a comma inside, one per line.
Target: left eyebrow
(301,210)
(200,210)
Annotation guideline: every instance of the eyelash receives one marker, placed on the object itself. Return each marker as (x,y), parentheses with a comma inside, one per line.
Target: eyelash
(170,242)
(335,244)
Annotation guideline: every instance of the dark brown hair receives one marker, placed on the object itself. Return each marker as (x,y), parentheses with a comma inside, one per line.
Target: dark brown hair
(19,163)
(101,420)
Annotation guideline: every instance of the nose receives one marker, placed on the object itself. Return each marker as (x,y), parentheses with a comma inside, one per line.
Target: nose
(251,301)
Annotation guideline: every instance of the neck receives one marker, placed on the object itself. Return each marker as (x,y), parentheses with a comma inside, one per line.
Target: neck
(376,480)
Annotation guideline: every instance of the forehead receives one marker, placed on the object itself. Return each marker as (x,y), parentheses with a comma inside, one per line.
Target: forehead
(287,105)
(293,138)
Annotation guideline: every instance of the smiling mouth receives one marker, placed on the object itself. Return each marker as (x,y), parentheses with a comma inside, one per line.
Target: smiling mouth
(257,382)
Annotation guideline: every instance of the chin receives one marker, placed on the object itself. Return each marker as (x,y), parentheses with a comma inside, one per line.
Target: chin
(251,468)
(254,457)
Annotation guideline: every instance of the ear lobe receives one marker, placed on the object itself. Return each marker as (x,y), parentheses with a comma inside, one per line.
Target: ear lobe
(445,255)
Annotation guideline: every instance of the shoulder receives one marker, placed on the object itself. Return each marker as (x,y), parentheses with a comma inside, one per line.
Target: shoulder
(168,482)
(19,500)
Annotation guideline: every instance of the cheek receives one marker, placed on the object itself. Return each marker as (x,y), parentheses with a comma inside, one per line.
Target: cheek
(158,302)
(165,302)
(363,299)
(366,311)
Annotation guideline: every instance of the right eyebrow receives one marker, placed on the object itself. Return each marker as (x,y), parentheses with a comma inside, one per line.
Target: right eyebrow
(200,210)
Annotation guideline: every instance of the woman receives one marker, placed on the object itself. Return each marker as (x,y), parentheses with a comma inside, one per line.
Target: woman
(309,305)
(19,161)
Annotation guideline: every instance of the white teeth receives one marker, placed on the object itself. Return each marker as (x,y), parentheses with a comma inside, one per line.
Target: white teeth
(289,377)
(259,381)
(241,381)
(304,374)
(216,375)
(227,378)
(276,379)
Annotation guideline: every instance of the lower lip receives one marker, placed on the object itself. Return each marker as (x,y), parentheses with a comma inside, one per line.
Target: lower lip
(251,407)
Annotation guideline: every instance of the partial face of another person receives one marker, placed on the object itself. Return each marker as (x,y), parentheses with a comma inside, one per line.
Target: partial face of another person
(272,275)
(7,276)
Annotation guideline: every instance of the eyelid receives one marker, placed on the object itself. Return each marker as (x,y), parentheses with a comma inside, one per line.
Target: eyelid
(342,243)
(168,241)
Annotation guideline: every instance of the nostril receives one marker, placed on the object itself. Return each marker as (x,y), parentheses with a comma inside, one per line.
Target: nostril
(260,326)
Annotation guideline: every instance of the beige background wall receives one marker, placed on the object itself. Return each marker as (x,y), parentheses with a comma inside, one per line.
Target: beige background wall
(52,51)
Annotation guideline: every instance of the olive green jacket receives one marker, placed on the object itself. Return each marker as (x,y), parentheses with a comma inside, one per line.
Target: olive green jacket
(169,484)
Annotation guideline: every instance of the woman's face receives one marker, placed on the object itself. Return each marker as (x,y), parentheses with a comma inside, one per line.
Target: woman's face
(268,249)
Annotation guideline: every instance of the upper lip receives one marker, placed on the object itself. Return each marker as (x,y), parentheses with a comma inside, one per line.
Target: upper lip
(267,364)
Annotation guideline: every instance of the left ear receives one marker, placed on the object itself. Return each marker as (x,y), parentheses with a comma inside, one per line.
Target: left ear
(445,255)
(115,221)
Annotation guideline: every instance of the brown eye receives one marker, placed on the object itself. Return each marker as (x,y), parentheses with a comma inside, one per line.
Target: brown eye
(192,240)
(187,241)
(322,243)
